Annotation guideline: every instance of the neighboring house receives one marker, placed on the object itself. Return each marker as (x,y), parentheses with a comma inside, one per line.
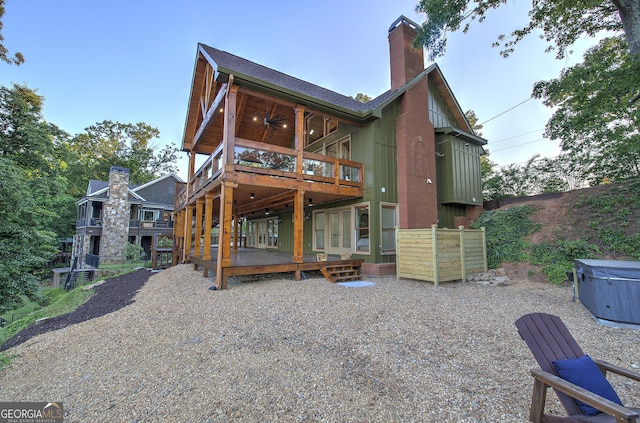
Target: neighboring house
(308,170)
(115,213)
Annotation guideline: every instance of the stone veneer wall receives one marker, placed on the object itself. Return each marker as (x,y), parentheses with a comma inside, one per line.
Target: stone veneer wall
(115,217)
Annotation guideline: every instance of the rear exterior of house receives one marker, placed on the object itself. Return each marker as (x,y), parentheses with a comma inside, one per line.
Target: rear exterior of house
(290,166)
(115,213)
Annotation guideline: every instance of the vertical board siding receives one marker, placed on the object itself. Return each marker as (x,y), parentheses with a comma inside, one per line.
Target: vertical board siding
(440,255)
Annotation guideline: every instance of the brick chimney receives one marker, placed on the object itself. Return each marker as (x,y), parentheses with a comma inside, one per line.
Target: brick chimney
(406,61)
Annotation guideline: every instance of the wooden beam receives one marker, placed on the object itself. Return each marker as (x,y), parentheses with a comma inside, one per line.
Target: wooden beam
(243,178)
(236,229)
(188,229)
(299,139)
(229,130)
(224,237)
(208,222)
(298,222)
(242,103)
(274,200)
(210,116)
(196,246)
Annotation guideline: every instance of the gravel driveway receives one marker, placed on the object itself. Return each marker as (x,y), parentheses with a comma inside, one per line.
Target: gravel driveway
(307,351)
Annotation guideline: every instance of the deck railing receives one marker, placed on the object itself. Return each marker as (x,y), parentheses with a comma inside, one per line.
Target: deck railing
(254,157)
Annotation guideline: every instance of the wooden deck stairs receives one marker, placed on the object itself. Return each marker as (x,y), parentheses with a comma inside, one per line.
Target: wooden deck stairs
(341,273)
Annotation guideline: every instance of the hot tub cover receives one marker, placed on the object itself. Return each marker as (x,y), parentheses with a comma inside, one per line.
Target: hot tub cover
(608,269)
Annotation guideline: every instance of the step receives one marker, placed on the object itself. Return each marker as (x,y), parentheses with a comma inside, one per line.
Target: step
(347,278)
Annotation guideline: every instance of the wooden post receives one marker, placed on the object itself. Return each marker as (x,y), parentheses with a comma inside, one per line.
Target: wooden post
(299,140)
(236,226)
(188,230)
(224,237)
(298,222)
(463,264)
(208,222)
(434,243)
(187,223)
(229,129)
(197,252)
(177,236)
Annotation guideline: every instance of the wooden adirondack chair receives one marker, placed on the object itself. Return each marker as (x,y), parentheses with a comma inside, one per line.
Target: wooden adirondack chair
(549,340)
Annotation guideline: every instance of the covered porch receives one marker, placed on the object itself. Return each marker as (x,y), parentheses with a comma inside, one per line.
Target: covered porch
(253,261)
(263,155)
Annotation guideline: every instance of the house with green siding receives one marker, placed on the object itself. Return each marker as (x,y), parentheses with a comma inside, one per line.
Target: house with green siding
(287,166)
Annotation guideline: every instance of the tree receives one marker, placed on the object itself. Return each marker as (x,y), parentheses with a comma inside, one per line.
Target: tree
(17,58)
(91,154)
(595,117)
(362,98)
(561,22)
(25,243)
(473,122)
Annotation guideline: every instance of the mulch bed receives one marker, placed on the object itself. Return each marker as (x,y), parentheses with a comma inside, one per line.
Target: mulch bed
(112,295)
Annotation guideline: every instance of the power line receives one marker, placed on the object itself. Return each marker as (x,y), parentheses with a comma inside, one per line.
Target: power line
(518,145)
(515,136)
(508,110)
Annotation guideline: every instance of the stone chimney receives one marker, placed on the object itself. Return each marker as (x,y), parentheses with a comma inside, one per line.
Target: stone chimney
(115,216)
(406,61)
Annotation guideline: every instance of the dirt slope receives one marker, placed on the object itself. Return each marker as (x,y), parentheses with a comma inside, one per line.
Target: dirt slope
(559,217)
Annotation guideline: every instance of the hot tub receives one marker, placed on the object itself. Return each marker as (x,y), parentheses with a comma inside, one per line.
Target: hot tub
(610,289)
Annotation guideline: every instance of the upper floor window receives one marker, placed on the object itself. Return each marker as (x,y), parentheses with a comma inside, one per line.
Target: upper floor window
(150,215)
(318,126)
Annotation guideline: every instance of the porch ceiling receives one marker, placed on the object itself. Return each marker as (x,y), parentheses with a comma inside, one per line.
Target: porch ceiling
(273,200)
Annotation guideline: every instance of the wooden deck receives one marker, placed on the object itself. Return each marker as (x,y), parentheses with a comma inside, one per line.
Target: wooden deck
(254,261)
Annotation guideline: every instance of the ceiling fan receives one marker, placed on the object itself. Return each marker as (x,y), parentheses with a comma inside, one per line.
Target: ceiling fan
(270,119)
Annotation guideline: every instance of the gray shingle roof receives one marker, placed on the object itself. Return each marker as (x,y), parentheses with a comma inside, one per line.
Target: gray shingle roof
(239,66)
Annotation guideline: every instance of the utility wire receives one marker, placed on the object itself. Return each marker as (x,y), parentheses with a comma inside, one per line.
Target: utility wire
(508,110)
(518,145)
(515,136)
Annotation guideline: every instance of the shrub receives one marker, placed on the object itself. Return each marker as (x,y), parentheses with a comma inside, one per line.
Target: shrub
(506,232)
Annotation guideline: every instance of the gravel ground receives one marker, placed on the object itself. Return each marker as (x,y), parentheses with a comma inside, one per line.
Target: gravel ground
(107,298)
(307,351)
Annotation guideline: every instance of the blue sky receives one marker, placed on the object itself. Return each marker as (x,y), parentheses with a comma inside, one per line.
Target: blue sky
(132,61)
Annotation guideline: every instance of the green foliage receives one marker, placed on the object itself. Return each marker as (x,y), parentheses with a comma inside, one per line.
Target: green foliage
(596,117)
(506,232)
(362,98)
(50,296)
(536,176)
(561,22)
(133,252)
(17,58)
(64,302)
(614,219)
(165,242)
(5,359)
(25,243)
(557,258)
(611,227)
(91,154)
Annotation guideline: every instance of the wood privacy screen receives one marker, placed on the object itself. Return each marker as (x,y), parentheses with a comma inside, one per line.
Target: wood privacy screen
(440,255)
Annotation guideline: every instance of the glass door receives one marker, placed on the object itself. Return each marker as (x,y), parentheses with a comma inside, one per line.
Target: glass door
(339,231)
(262,234)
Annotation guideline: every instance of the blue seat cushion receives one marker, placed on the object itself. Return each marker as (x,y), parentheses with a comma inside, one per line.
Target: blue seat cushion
(585,373)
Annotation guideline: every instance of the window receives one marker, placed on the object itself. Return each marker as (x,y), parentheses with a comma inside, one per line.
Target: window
(362,228)
(150,215)
(388,228)
(318,231)
(318,126)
